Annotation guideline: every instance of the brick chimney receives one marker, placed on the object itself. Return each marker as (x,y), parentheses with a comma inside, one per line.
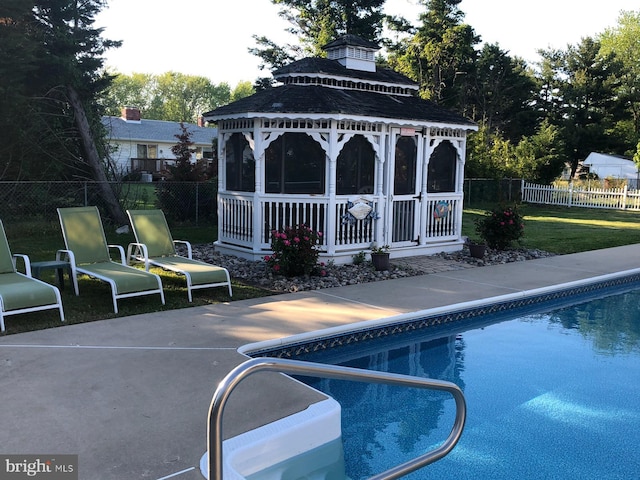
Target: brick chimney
(131,114)
(201,122)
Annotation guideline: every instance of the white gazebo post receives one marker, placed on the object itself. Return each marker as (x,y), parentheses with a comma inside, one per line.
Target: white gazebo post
(258,156)
(332,157)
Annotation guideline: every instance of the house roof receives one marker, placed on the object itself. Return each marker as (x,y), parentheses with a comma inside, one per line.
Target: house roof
(159,131)
(606,159)
(605,165)
(315,99)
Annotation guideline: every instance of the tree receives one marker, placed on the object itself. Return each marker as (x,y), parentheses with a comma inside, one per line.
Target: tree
(18,55)
(587,101)
(59,129)
(550,81)
(501,92)
(540,158)
(137,89)
(183,169)
(624,41)
(317,22)
(489,155)
(171,96)
(242,90)
(440,55)
(74,65)
(178,198)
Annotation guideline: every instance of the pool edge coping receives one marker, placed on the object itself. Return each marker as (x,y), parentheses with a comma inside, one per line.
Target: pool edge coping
(257,348)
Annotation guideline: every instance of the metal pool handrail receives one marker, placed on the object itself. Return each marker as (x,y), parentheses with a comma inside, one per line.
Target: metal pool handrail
(296,367)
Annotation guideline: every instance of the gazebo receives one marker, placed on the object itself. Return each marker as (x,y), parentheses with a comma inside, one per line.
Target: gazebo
(347,149)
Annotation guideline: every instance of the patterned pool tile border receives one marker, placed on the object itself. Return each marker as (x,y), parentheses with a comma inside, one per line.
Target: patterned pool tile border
(557,298)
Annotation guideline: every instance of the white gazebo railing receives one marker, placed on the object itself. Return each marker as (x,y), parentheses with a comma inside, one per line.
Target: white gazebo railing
(235,211)
(443,218)
(242,214)
(278,213)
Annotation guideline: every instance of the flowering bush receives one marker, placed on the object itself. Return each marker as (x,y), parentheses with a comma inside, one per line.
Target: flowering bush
(294,252)
(500,226)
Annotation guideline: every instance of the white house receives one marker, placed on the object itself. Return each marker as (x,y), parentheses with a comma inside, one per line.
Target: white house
(347,149)
(613,166)
(140,145)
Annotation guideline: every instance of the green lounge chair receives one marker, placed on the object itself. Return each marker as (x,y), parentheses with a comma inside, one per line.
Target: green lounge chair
(21,293)
(88,253)
(156,246)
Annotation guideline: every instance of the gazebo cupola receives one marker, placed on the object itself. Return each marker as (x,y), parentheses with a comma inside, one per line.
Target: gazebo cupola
(353,53)
(347,149)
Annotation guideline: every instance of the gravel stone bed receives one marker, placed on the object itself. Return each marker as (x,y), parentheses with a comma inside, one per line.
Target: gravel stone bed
(257,273)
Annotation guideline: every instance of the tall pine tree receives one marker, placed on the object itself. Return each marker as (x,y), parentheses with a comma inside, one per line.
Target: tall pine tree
(316,23)
(439,54)
(60,115)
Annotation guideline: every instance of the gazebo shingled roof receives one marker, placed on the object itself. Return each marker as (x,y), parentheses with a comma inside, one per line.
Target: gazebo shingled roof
(314,99)
(316,66)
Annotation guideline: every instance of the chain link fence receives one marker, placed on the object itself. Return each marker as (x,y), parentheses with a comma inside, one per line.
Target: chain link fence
(184,202)
(483,191)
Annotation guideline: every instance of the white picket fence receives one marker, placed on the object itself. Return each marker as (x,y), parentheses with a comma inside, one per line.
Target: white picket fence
(573,196)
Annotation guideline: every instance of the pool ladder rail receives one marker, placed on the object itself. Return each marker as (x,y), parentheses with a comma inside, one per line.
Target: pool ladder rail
(297,367)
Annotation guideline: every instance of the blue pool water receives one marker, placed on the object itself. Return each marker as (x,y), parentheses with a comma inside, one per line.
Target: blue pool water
(550,396)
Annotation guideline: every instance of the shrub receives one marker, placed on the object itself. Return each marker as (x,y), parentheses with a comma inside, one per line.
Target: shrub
(359,258)
(295,252)
(500,227)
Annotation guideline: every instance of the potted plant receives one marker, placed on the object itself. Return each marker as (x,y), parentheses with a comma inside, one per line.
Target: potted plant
(476,249)
(499,227)
(380,257)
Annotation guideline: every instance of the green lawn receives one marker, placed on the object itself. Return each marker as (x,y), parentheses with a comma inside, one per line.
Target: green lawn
(564,230)
(559,230)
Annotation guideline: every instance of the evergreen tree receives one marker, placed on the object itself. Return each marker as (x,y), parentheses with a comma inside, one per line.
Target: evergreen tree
(501,92)
(61,121)
(623,40)
(439,55)
(580,99)
(316,23)
(18,55)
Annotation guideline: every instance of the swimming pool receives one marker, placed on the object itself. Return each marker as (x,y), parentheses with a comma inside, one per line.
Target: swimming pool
(550,394)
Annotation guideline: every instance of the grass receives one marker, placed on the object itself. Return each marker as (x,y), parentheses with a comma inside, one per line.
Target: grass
(560,230)
(41,241)
(564,230)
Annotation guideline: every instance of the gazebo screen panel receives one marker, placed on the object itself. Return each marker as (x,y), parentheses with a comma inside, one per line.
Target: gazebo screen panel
(355,167)
(240,165)
(442,169)
(295,163)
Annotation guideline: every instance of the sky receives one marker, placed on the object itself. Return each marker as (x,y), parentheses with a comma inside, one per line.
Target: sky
(210,38)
